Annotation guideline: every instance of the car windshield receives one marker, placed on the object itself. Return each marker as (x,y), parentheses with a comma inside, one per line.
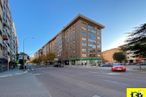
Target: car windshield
(117,64)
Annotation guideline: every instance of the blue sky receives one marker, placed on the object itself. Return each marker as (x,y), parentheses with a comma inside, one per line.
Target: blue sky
(37,21)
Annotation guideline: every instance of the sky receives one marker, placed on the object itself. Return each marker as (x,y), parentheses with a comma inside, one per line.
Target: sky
(38,21)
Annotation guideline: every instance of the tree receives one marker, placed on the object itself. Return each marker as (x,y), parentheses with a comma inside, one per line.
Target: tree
(43,58)
(50,57)
(36,60)
(136,41)
(119,56)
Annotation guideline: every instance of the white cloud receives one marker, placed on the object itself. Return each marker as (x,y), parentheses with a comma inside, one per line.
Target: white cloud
(118,42)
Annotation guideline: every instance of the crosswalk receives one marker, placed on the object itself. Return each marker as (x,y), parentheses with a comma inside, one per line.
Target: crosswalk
(96,96)
(12,74)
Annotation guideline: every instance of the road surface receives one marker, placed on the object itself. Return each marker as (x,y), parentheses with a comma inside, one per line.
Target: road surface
(86,82)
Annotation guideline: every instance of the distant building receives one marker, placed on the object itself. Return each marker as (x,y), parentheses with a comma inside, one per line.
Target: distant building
(22,56)
(8,37)
(108,55)
(77,43)
(131,58)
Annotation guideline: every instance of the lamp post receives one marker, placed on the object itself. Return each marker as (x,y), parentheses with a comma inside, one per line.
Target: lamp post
(23,63)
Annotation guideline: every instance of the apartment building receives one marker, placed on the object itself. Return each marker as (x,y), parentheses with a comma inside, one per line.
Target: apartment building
(8,38)
(108,55)
(77,43)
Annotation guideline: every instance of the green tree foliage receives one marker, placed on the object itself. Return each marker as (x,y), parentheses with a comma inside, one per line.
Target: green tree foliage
(43,58)
(50,57)
(36,60)
(119,56)
(136,41)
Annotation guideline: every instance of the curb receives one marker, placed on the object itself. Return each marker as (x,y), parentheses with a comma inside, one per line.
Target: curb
(13,74)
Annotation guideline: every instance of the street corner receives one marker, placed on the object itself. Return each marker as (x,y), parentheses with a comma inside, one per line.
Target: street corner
(12,73)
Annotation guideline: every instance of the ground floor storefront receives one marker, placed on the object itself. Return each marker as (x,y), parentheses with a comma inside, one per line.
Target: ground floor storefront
(3,64)
(6,65)
(85,61)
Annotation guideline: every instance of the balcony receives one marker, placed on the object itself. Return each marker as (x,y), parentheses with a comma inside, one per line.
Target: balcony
(5,37)
(1,40)
(4,23)
(1,14)
(0,29)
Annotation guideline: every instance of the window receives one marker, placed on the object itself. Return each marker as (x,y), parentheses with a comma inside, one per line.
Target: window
(0,32)
(83,50)
(84,33)
(99,46)
(91,40)
(84,39)
(92,29)
(92,45)
(92,36)
(98,37)
(83,28)
(84,44)
(92,55)
(84,55)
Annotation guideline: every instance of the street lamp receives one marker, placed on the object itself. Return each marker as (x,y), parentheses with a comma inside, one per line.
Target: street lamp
(23,63)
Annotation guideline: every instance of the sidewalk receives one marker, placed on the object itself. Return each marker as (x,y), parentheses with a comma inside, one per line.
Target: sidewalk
(25,85)
(13,72)
(136,68)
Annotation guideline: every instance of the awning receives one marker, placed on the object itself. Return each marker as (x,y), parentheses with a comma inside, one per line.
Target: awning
(97,58)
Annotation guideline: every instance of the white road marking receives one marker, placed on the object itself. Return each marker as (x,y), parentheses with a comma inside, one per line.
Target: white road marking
(20,73)
(113,73)
(96,96)
(10,75)
(7,75)
(37,74)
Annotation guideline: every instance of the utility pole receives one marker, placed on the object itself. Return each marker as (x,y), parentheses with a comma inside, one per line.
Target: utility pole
(23,55)
(23,63)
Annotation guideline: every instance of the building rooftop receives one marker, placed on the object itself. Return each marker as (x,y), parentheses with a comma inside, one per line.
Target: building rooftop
(100,26)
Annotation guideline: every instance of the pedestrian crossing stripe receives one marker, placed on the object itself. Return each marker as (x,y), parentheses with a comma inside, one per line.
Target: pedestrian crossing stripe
(95,96)
(113,73)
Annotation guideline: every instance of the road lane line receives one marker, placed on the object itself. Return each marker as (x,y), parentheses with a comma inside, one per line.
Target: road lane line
(7,75)
(37,74)
(114,73)
(96,96)
(10,75)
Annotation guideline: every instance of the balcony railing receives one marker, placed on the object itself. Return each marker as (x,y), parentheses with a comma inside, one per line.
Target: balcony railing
(5,37)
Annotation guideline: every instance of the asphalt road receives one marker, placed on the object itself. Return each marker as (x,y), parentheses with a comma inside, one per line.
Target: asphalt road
(85,82)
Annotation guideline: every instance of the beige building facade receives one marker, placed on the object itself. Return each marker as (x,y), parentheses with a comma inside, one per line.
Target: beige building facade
(108,55)
(8,38)
(77,43)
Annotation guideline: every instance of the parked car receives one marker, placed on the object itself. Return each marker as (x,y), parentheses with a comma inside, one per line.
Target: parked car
(144,63)
(118,67)
(58,65)
(106,65)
